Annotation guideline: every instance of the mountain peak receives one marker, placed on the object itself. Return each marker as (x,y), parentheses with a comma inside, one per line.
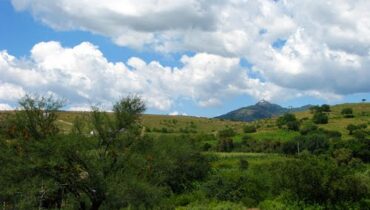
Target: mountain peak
(262,102)
(261,110)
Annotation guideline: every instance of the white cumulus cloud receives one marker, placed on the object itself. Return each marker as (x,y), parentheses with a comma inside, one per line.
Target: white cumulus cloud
(83,75)
(326,52)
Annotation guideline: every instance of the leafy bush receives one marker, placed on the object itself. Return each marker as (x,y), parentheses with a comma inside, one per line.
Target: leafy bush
(289,121)
(320,118)
(180,163)
(347,112)
(227,132)
(225,145)
(236,187)
(243,164)
(351,127)
(290,147)
(325,108)
(249,129)
(320,181)
(206,147)
(308,128)
(322,108)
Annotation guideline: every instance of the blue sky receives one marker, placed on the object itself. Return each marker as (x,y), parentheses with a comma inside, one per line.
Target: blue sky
(197,62)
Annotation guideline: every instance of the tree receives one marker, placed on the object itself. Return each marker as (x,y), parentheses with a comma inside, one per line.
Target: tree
(320,118)
(308,127)
(351,128)
(36,117)
(325,108)
(347,112)
(249,129)
(288,121)
(317,180)
(116,167)
(227,132)
(225,144)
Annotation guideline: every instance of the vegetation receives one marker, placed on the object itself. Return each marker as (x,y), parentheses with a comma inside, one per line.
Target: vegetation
(249,129)
(115,167)
(288,121)
(347,112)
(126,160)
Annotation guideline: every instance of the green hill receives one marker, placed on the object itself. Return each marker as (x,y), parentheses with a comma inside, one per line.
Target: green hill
(266,128)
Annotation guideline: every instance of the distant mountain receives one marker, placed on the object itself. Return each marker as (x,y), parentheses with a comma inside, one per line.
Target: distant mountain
(261,110)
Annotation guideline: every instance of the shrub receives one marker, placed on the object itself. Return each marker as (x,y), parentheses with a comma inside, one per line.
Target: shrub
(236,187)
(289,121)
(325,108)
(320,181)
(249,129)
(320,118)
(206,147)
(347,112)
(227,132)
(290,147)
(351,128)
(243,164)
(322,108)
(308,128)
(225,145)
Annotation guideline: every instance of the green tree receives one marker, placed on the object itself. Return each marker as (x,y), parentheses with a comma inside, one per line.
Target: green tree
(227,132)
(351,128)
(116,167)
(315,180)
(288,121)
(347,112)
(249,129)
(325,108)
(320,118)
(36,117)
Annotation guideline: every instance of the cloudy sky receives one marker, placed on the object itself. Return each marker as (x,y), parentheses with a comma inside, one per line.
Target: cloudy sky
(195,57)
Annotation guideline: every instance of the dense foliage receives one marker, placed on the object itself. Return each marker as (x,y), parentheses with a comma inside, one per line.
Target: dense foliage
(111,161)
(288,121)
(113,167)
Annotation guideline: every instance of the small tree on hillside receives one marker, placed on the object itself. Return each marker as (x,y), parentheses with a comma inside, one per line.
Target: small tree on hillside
(325,108)
(347,112)
(320,118)
(249,129)
(288,121)
(225,142)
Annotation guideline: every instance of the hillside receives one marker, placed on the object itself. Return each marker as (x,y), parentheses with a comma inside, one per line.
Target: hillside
(261,110)
(267,130)
(235,167)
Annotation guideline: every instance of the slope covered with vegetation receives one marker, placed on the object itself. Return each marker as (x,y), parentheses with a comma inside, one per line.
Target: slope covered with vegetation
(316,159)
